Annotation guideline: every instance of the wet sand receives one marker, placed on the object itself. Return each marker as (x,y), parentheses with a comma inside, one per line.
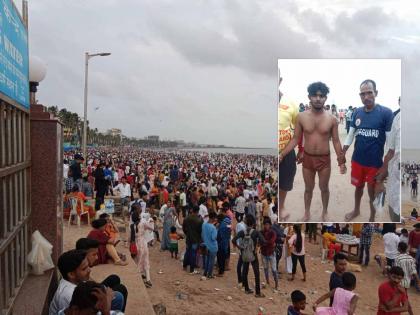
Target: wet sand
(341,194)
(408,202)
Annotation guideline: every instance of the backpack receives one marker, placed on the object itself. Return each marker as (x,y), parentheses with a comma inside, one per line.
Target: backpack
(248,247)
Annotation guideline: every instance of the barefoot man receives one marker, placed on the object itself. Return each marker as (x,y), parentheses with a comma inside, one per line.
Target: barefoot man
(288,112)
(318,127)
(371,125)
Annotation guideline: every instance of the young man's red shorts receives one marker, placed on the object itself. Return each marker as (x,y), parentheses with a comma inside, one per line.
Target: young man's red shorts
(362,174)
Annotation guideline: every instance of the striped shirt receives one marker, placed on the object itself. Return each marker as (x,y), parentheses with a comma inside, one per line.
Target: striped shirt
(407,263)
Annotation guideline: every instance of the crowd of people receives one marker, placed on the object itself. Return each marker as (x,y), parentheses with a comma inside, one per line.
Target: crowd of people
(213,203)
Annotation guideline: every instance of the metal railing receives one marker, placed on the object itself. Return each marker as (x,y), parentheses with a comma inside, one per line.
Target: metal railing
(15,206)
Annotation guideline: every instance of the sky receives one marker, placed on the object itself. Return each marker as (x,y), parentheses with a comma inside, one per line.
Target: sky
(343,78)
(206,71)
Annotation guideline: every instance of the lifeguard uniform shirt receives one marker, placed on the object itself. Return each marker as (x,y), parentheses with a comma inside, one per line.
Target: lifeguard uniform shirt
(371,128)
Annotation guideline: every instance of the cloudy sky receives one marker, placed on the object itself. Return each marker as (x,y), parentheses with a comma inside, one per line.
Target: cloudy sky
(206,71)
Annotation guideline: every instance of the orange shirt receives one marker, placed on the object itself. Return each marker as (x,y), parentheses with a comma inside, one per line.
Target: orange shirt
(327,239)
(110,231)
(174,237)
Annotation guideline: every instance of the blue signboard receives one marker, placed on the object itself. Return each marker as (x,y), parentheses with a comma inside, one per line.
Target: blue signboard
(14,55)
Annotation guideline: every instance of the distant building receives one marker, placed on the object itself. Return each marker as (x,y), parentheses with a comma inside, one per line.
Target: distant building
(115,132)
(67,132)
(153,138)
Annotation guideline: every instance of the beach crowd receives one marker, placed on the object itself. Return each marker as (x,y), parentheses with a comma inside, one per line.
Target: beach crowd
(215,203)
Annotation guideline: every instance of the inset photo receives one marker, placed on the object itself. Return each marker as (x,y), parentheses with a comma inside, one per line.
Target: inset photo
(339,140)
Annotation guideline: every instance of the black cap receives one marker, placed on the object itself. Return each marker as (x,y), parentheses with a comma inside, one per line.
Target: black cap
(78,157)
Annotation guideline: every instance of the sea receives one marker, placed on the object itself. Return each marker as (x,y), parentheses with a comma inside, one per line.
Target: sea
(250,151)
(410,155)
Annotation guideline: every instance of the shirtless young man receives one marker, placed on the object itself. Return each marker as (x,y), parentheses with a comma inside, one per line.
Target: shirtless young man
(318,127)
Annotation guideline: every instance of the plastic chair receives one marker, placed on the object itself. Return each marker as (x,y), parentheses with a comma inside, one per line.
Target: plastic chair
(73,211)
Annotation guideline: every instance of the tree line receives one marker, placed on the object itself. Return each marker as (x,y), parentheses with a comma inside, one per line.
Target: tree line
(73,133)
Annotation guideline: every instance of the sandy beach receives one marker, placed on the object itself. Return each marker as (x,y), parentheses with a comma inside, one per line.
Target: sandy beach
(183,293)
(341,194)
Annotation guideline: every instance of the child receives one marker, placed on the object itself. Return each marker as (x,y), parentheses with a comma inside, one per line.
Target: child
(392,296)
(328,244)
(173,245)
(156,229)
(345,300)
(299,303)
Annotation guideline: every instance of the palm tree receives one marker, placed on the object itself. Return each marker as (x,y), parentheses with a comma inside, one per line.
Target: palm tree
(53,110)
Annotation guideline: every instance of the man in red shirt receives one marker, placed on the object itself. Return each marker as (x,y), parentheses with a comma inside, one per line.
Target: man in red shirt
(392,296)
(267,252)
(414,240)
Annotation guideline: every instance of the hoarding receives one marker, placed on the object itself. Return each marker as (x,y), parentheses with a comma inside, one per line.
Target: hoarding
(14,55)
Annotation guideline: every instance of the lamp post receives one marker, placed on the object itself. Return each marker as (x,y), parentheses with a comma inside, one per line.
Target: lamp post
(87,57)
(37,72)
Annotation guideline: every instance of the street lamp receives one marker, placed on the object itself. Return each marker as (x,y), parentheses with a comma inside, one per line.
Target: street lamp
(37,72)
(87,57)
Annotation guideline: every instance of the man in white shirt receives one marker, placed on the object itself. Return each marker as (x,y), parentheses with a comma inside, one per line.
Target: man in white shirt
(213,192)
(65,169)
(74,267)
(240,204)
(246,193)
(162,211)
(116,178)
(183,202)
(241,226)
(125,191)
(391,241)
(203,212)
(391,168)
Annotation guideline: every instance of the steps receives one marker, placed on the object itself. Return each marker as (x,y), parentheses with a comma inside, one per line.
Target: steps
(138,298)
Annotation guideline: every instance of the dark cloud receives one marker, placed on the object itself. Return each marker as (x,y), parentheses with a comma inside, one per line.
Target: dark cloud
(257,37)
(203,71)
(362,34)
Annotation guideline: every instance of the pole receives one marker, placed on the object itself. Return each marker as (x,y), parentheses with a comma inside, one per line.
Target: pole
(85,108)
(25,13)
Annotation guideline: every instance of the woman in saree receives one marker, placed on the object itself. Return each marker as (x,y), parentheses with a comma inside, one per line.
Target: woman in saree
(169,219)
(142,239)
